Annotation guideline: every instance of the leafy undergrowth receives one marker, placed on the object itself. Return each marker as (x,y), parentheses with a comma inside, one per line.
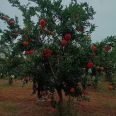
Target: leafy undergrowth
(18,101)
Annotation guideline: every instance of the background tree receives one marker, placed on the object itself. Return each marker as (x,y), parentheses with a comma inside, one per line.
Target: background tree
(106,55)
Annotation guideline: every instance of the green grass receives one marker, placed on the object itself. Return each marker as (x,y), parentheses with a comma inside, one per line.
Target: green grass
(110,105)
(9,108)
(5,85)
(103,87)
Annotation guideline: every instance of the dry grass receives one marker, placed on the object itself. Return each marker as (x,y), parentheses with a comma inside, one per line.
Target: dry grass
(18,101)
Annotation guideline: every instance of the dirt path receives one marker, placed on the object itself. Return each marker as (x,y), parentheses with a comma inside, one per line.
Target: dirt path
(18,101)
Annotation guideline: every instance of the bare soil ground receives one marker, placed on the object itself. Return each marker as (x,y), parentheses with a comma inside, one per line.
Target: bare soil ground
(18,101)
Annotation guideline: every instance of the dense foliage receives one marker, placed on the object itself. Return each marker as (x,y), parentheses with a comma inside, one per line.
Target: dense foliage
(55,48)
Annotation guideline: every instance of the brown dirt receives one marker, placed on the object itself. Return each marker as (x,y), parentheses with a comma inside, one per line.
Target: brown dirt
(18,101)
